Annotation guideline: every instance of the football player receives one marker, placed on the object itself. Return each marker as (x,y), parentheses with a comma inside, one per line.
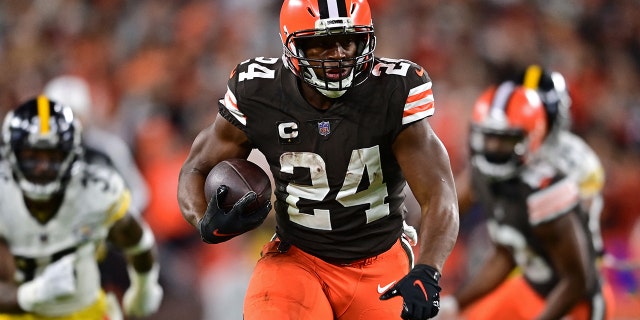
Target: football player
(56,211)
(565,150)
(106,147)
(539,186)
(74,91)
(343,133)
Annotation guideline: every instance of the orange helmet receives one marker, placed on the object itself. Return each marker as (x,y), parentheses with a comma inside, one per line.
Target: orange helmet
(301,19)
(508,126)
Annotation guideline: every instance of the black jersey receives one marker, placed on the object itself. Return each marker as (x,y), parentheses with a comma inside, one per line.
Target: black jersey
(339,189)
(514,207)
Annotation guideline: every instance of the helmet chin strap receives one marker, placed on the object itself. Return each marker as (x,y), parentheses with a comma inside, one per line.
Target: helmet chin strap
(332,93)
(319,84)
(495,171)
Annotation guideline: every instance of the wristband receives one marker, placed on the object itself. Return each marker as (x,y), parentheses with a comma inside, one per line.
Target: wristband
(449,305)
(140,280)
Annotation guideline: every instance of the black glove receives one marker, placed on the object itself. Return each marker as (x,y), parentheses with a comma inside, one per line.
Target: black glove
(420,292)
(218,226)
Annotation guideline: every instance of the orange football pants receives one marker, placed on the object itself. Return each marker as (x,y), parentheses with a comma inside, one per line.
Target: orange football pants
(515,300)
(297,285)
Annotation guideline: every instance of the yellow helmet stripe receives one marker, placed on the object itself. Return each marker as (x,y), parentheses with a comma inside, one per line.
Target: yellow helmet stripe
(532,77)
(43,114)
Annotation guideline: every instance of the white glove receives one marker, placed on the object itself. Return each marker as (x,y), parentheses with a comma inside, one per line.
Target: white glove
(113,307)
(56,281)
(144,295)
(410,233)
(449,308)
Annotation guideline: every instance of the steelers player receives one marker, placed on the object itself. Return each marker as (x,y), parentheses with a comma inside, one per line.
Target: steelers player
(538,186)
(56,211)
(343,133)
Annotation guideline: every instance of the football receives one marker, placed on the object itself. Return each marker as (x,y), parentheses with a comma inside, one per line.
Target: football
(241,176)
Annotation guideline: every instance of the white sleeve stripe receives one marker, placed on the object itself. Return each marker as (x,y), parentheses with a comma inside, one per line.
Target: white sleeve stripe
(421,88)
(231,104)
(426,101)
(417,116)
(549,203)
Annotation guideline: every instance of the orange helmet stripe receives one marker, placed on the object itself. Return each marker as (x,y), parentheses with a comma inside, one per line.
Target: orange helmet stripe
(43,114)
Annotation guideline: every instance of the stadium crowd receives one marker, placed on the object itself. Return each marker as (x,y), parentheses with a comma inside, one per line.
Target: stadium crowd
(156,70)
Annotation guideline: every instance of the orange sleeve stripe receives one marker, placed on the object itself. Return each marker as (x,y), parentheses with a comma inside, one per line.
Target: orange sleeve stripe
(419,95)
(416,114)
(231,104)
(418,109)
(419,103)
(230,100)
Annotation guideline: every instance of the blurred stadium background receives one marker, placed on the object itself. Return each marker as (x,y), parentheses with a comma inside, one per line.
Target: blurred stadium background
(156,69)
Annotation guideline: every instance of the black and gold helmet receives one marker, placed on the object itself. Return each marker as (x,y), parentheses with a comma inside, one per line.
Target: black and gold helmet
(554,94)
(42,141)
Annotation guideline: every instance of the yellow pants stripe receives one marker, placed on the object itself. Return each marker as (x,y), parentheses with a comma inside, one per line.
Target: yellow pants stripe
(96,311)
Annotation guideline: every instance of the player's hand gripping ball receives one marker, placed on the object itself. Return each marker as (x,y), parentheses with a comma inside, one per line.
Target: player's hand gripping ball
(239,195)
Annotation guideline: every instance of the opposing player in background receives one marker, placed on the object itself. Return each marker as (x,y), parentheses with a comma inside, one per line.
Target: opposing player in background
(540,188)
(75,92)
(343,132)
(56,210)
(102,146)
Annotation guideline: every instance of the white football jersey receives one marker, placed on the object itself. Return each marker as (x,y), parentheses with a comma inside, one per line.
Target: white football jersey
(583,164)
(95,198)
(572,156)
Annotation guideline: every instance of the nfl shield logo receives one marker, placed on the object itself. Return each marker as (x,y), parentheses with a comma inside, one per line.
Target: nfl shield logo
(324,128)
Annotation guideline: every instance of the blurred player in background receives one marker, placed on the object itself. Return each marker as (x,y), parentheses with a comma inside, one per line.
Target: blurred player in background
(108,148)
(75,92)
(56,211)
(540,187)
(341,131)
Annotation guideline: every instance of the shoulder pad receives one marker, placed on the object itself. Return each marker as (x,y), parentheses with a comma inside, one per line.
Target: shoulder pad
(105,189)
(414,81)
(408,69)
(256,68)
(247,77)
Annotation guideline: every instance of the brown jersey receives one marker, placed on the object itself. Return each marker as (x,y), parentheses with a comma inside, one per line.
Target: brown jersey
(514,207)
(339,189)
